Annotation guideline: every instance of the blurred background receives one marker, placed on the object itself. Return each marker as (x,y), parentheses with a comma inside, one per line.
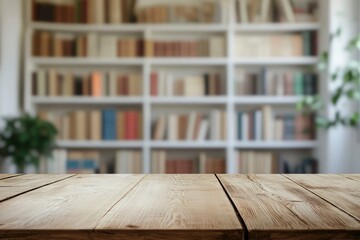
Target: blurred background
(181,86)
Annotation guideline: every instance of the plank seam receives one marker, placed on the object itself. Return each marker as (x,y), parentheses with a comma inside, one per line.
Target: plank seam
(33,189)
(98,222)
(344,211)
(15,175)
(347,177)
(238,215)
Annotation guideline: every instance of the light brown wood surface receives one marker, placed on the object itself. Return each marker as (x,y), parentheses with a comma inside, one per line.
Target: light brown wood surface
(355,177)
(342,192)
(274,207)
(76,203)
(138,207)
(12,186)
(184,206)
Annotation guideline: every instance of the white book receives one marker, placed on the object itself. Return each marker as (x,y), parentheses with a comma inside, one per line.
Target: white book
(112,83)
(161,84)
(280,86)
(245,126)
(251,162)
(169,84)
(243,11)
(172,130)
(115,14)
(160,135)
(265,11)
(41,82)
(204,128)
(288,11)
(92,45)
(224,12)
(191,126)
(215,125)
(268,128)
(258,125)
(68,84)
(108,46)
(217,46)
(61,159)
(194,86)
(278,129)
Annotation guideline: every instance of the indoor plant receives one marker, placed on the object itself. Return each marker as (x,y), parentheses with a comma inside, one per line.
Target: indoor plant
(26,139)
(347,81)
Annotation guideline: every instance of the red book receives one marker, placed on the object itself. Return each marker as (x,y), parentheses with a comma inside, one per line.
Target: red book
(171,166)
(130,124)
(154,84)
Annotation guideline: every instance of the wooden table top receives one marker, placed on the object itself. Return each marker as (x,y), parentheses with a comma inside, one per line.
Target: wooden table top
(179,206)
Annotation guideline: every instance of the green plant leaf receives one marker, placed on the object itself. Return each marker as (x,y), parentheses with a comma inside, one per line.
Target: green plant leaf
(354,43)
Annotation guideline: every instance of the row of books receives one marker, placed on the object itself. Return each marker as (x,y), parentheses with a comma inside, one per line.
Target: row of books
(96,125)
(263,124)
(258,162)
(165,84)
(83,11)
(195,12)
(51,82)
(276,45)
(162,163)
(194,126)
(125,11)
(214,46)
(89,161)
(280,83)
(265,11)
(48,44)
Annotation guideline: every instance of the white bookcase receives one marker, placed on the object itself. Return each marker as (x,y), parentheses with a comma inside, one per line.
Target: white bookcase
(229,102)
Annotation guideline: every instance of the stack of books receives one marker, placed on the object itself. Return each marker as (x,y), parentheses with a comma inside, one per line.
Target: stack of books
(202,163)
(263,124)
(279,83)
(166,84)
(195,126)
(96,125)
(51,82)
(265,11)
(85,162)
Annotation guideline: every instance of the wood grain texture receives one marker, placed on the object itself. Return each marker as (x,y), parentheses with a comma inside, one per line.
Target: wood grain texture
(342,192)
(13,186)
(76,203)
(355,177)
(4,176)
(181,206)
(274,207)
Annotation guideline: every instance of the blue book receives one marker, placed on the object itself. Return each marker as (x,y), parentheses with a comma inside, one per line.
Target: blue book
(239,125)
(109,124)
(72,165)
(307,43)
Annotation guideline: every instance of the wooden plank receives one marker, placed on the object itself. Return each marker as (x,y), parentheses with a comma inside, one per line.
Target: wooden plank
(273,207)
(73,205)
(342,192)
(13,186)
(179,206)
(355,177)
(4,176)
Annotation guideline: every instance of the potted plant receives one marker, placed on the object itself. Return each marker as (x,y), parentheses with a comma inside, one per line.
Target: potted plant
(347,81)
(26,139)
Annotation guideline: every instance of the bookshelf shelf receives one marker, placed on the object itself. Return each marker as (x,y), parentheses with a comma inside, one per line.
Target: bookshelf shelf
(129,27)
(277,27)
(277,61)
(188,100)
(276,145)
(188,144)
(223,64)
(87,100)
(100,144)
(280,100)
(86,61)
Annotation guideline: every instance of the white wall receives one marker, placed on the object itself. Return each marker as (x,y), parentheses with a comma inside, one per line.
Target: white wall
(11,22)
(341,146)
